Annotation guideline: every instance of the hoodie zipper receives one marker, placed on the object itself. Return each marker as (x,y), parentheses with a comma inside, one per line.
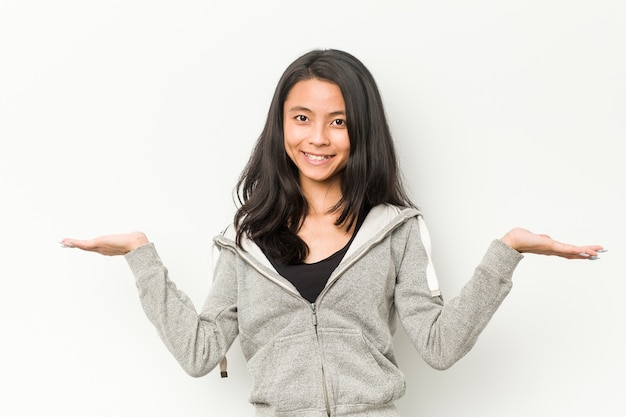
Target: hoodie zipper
(329,284)
(313,306)
(338,272)
(314,322)
(314,318)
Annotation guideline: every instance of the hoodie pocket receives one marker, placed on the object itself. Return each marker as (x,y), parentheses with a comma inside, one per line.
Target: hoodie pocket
(358,373)
(292,379)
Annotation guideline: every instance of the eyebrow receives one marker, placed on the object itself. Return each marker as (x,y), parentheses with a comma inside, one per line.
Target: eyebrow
(306,109)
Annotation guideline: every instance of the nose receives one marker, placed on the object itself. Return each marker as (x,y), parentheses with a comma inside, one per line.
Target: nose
(319,135)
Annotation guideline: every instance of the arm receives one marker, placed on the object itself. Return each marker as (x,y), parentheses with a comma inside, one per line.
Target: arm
(197,341)
(444,333)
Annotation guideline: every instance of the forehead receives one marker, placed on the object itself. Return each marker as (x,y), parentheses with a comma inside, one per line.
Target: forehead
(315,91)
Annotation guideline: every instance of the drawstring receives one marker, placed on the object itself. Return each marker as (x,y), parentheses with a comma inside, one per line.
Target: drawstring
(223,365)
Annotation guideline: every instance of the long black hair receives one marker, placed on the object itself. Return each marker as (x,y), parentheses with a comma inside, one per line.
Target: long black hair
(272,205)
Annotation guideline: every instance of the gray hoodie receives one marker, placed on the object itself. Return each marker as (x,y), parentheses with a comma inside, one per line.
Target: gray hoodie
(333,357)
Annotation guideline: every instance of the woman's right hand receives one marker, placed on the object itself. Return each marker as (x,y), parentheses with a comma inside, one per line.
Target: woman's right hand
(109,245)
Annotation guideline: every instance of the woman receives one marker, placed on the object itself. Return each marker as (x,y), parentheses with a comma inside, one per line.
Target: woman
(325,251)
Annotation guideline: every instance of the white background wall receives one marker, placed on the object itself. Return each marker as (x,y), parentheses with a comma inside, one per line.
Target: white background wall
(125,115)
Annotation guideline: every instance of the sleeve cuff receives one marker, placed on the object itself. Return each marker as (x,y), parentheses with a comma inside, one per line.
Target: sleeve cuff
(143,259)
(501,258)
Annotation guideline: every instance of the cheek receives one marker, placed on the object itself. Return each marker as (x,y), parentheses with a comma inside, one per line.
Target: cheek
(292,137)
(343,143)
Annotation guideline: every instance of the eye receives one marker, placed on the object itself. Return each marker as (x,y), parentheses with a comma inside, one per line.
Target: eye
(301,118)
(339,122)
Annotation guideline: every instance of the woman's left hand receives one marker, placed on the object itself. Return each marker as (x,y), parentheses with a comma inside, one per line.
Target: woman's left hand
(524,241)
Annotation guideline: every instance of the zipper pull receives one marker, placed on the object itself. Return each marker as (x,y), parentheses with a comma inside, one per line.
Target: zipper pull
(314,316)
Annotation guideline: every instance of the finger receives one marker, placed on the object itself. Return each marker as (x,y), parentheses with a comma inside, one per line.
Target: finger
(591,250)
(71,243)
(578,255)
(66,243)
(569,251)
(76,243)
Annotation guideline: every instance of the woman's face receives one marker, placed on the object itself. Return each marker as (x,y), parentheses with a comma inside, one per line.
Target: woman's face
(315,131)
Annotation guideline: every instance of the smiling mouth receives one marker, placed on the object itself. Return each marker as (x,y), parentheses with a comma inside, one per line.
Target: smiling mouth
(316,157)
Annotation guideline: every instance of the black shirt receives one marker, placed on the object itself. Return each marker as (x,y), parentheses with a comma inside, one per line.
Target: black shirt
(310,279)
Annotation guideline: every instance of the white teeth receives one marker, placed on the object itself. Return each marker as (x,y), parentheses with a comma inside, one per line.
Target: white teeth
(315,157)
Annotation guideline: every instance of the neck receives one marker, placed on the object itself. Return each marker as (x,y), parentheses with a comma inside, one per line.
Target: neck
(321,197)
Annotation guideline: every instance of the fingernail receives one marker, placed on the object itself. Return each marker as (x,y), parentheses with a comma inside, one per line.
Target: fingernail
(584,254)
(66,244)
(602,250)
(593,258)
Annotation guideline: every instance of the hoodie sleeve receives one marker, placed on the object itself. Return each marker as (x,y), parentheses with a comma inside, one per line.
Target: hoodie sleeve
(197,341)
(444,333)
